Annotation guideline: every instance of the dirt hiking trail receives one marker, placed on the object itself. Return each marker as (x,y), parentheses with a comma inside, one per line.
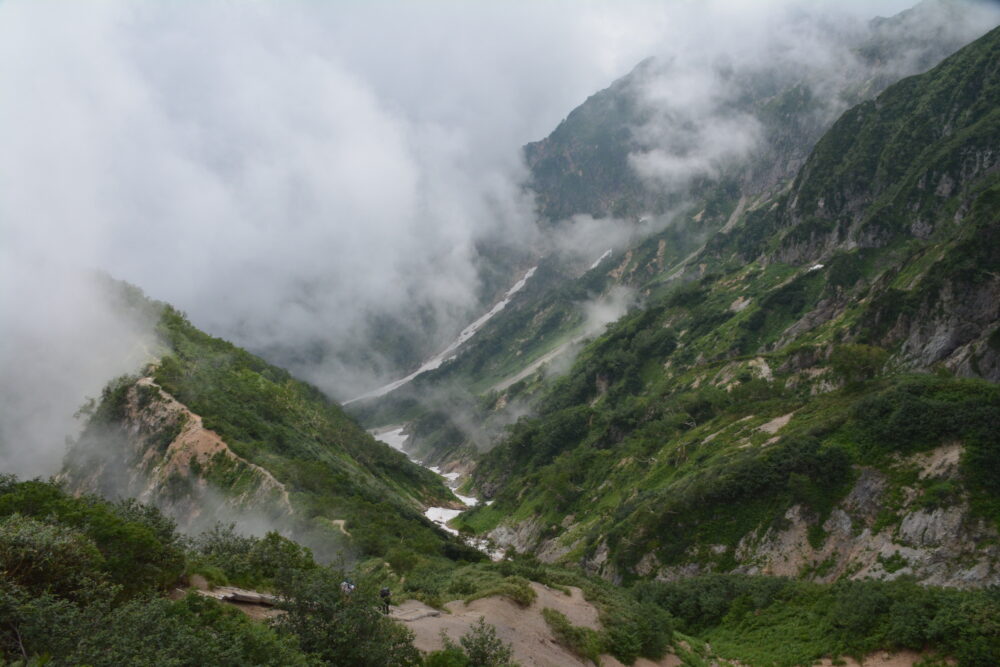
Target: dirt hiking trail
(524,628)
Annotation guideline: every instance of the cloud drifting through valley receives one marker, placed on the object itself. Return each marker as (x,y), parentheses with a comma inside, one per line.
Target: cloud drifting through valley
(282,171)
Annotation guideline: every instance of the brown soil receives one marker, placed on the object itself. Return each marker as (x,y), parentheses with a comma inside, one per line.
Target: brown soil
(524,628)
(776,424)
(195,442)
(881,659)
(258,612)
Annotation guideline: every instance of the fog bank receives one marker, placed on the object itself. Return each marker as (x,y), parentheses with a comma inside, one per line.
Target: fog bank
(314,181)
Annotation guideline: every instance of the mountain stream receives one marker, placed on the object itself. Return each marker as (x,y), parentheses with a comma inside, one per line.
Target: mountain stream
(395,438)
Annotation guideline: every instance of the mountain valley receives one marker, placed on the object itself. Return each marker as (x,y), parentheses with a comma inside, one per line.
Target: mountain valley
(738,404)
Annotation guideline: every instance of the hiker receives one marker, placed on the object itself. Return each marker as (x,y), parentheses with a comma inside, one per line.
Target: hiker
(386,595)
(347,587)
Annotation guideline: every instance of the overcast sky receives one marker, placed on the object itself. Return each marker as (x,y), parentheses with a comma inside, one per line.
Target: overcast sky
(279,169)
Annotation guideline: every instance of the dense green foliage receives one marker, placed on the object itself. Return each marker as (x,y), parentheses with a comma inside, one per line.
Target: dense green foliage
(784,622)
(584,642)
(668,435)
(332,469)
(59,600)
(49,535)
(226,557)
(479,647)
(81,584)
(84,579)
(341,628)
(141,631)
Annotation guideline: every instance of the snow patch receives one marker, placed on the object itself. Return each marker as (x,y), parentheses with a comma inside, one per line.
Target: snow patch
(441,516)
(600,259)
(449,353)
(396,439)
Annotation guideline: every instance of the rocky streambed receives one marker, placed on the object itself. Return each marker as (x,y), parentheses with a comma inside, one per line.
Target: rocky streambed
(396,438)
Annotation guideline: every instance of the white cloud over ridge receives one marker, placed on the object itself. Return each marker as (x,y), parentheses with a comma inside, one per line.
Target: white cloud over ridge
(274,169)
(283,170)
(695,94)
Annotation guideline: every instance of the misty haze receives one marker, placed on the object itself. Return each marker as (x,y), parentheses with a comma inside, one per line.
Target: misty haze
(638,330)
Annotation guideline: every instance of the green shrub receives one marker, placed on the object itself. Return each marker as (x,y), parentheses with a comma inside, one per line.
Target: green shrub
(46,558)
(339,628)
(194,631)
(95,630)
(484,648)
(451,656)
(584,642)
(918,412)
(139,549)
(857,363)
(254,562)
(479,647)
(516,588)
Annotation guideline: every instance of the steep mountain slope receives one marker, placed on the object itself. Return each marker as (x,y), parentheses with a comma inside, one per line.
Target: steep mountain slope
(588,165)
(214,433)
(757,417)
(909,179)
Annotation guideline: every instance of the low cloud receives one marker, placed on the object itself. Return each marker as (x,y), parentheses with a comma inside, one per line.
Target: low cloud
(287,173)
(696,148)
(290,173)
(58,348)
(716,56)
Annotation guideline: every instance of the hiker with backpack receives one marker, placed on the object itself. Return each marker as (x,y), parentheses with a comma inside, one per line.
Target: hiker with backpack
(386,596)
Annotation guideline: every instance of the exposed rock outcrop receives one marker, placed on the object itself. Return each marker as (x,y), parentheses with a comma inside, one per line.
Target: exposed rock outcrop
(869,535)
(161,453)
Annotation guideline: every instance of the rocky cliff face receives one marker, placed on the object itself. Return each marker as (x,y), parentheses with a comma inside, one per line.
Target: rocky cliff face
(908,180)
(881,530)
(161,453)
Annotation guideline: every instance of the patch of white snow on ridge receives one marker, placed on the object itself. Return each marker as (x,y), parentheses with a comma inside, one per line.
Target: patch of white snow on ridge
(394,438)
(441,516)
(448,353)
(468,500)
(815,267)
(600,259)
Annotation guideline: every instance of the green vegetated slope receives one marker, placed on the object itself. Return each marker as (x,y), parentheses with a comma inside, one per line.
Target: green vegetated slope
(85,582)
(584,167)
(82,584)
(268,448)
(761,416)
(809,399)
